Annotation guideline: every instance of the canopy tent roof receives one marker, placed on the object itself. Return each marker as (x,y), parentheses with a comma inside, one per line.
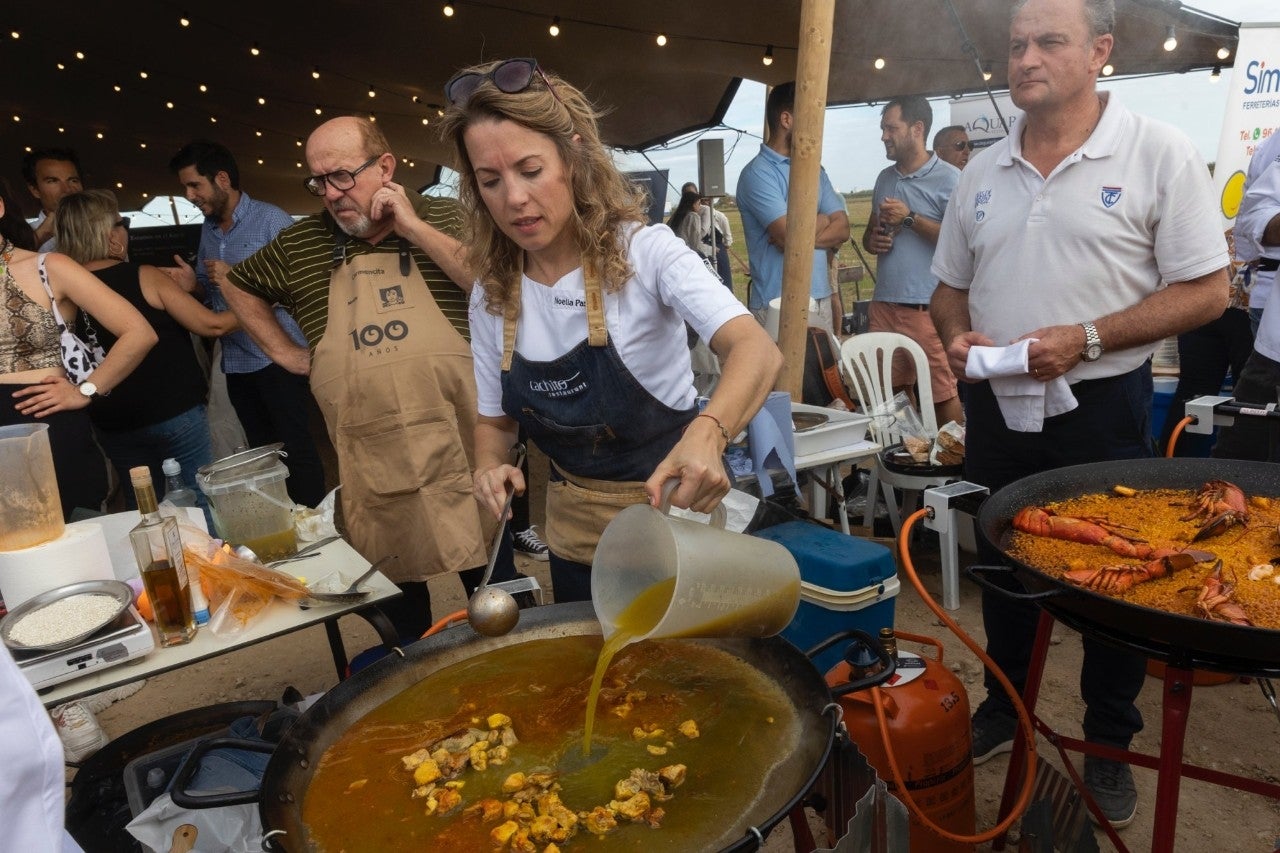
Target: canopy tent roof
(203,81)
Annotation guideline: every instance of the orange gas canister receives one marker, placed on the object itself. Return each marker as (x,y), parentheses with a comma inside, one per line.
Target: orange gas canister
(926,712)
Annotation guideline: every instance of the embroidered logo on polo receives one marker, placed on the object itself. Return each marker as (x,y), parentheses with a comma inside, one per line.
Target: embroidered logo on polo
(980,198)
(557,388)
(1111,195)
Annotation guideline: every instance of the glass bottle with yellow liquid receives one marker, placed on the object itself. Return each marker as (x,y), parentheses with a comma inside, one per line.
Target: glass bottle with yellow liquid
(158,550)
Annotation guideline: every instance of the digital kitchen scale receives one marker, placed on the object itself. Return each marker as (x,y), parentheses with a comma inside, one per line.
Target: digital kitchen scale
(125,638)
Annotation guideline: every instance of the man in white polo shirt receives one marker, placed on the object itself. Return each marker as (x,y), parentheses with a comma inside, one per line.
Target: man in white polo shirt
(1257,233)
(1094,232)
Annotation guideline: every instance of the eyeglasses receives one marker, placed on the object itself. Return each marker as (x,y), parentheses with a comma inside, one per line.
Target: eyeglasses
(122,222)
(962,145)
(512,76)
(341,180)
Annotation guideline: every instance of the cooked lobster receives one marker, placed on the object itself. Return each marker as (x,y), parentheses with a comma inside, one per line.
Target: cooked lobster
(1039,521)
(1215,601)
(1114,580)
(1223,504)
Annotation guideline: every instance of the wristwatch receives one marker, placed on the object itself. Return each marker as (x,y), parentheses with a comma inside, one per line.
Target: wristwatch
(909,220)
(1092,343)
(88,389)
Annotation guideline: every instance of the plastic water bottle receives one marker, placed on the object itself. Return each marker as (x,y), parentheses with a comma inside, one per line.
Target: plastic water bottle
(176,492)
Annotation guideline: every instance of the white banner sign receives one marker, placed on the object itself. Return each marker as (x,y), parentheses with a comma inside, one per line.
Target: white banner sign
(979,118)
(1253,112)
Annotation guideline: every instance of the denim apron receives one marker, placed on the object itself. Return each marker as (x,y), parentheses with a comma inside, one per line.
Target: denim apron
(603,431)
(395,382)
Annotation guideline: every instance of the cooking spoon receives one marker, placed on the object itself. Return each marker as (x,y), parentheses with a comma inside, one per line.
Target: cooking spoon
(353,592)
(492,611)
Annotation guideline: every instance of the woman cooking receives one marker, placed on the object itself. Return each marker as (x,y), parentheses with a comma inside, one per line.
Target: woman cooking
(578,328)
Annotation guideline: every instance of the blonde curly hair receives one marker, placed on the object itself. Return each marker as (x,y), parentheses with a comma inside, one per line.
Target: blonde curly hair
(605,202)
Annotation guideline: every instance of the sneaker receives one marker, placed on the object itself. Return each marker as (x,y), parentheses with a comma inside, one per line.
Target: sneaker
(527,542)
(1111,784)
(79,730)
(993,733)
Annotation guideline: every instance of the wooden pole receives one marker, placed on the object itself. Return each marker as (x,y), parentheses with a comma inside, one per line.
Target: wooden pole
(813,65)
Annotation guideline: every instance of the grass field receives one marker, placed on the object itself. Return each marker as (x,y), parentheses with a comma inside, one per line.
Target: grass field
(859,207)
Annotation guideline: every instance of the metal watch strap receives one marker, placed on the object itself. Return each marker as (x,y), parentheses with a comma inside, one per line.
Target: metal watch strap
(1091,340)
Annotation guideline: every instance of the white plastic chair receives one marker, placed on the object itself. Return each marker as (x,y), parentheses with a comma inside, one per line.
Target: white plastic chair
(867,360)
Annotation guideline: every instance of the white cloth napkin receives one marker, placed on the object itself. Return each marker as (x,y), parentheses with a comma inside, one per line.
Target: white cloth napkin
(1024,400)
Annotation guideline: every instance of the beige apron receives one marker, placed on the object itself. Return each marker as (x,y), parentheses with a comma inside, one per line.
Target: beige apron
(579,508)
(395,383)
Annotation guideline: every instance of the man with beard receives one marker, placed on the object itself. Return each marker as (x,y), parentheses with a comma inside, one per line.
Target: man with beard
(270,402)
(906,213)
(762,199)
(379,287)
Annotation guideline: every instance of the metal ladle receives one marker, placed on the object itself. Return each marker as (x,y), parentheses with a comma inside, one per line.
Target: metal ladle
(492,611)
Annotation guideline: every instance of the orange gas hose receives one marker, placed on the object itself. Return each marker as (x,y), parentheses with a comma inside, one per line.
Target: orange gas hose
(453,618)
(1024,719)
(1177,431)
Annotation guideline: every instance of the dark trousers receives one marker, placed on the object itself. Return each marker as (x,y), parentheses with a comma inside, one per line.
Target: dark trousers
(570,581)
(1205,355)
(1111,422)
(273,405)
(411,612)
(1253,438)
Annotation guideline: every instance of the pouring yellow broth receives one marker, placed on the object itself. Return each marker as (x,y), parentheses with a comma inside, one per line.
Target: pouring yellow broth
(637,619)
(359,798)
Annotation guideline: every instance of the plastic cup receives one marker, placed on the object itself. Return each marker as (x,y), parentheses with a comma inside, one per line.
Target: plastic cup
(725,584)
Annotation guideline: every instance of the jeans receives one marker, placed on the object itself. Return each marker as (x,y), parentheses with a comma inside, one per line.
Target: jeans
(1205,355)
(274,405)
(1253,437)
(184,437)
(1111,422)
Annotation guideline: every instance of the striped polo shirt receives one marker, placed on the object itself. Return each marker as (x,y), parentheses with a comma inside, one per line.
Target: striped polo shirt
(294,268)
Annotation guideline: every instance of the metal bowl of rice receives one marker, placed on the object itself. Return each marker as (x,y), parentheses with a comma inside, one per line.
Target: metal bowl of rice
(63,617)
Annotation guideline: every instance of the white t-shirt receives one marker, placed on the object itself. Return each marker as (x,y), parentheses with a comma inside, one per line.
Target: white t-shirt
(1260,203)
(645,319)
(1128,212)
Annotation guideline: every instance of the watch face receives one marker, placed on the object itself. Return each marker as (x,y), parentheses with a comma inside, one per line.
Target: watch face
(908,221)
(88,389)
(1093,352)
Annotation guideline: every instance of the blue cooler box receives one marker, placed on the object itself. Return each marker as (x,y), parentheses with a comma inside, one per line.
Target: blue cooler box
(845,582)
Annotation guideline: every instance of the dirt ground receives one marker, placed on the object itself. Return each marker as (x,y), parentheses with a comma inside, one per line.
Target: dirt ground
(1231,727)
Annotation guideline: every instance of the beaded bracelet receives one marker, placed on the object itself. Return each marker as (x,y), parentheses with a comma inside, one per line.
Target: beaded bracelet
(723,431)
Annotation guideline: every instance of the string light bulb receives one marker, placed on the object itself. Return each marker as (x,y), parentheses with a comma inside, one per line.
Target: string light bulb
(1224,52)
(119,185)
(203,87)
(317,109)
(184,21)
(213,119)
(260,161)
(1108,70)
(17,118)
(80,55)
(879,63)
(554,29)
(15,35)
(62,67)
(117,88)
(986,72)
(372,92)
(315,72)
(425,121)
(258,133)
(101,135)
(255,50)
(142,145)
(143,74)
(1215,74)
(767,59)
(262,102)
(448,10)
(168,105)
(1170,39)
(661,39)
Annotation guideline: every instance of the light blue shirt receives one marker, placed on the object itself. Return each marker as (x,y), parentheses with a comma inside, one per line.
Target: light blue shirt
(253,225)
(762,198)
(902,273)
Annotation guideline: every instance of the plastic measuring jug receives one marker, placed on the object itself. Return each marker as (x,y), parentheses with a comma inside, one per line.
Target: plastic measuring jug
(249,501)
(689,579)
(30,504)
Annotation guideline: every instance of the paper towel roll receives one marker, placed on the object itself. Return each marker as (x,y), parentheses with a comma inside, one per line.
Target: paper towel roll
(79,554)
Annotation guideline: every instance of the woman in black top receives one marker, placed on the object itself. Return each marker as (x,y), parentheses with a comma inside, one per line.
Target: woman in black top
(159,410)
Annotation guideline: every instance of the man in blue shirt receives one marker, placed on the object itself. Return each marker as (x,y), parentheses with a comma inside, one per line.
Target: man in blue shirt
(272,403)
(762,199)
(906,214)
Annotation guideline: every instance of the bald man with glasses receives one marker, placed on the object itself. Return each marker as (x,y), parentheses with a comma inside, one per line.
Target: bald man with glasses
(378,285)
(952,145)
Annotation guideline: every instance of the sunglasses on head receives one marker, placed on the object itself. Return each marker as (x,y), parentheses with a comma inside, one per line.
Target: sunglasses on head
(511,76)
(962,145)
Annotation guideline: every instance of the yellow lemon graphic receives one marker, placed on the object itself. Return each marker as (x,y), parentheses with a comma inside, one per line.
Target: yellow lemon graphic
(1232,193)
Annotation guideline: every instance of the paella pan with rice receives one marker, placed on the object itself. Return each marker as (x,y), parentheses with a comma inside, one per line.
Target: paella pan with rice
(1211,553)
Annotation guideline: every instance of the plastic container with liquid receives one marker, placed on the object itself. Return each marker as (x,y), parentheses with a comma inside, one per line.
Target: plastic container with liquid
(249,501)
(30,504)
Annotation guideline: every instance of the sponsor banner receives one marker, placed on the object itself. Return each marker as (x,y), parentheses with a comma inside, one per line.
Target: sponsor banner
(978,116)
(1253,112)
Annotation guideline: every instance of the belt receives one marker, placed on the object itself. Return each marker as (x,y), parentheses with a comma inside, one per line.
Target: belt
(1268,264)
(915,306)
